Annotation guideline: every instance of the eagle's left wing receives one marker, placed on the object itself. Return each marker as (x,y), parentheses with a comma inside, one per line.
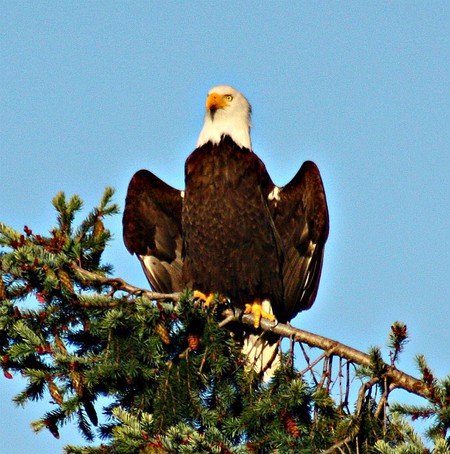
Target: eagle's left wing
(300,215)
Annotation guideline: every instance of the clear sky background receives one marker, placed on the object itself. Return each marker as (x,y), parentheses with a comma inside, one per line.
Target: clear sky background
(93,91)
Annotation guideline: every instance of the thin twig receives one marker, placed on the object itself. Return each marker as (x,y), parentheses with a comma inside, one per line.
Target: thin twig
(307,359)
(337,446)
(227,320)
(311,365)
(324,372)
(347,386)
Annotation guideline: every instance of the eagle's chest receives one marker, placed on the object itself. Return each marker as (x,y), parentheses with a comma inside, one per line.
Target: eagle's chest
(229,243)
(221,187)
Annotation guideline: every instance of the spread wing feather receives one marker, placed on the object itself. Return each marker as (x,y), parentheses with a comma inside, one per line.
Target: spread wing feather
(152,230)
(300,216)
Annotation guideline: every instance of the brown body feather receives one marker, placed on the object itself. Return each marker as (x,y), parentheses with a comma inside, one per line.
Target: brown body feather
(230,244)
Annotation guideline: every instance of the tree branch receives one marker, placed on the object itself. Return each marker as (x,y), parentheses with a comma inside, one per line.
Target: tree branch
(395,377)
(119,284)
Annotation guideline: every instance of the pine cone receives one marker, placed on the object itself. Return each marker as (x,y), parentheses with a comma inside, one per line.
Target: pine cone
(77,382)
(290,424)
(161,329)
(52,427)
(55,392)
(2,289)
(99,228)
(3,294)
(193,341)
(6,372)
(65,280)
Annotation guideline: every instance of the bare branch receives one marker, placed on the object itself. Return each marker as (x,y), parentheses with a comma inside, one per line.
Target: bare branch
(395,377)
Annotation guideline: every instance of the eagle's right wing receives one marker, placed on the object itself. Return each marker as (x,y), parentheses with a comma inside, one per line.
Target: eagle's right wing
(152,230)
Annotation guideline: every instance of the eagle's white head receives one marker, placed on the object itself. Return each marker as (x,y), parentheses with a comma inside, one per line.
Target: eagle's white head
(227,113)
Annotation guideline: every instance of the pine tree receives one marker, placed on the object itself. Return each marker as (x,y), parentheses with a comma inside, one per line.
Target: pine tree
(174,374)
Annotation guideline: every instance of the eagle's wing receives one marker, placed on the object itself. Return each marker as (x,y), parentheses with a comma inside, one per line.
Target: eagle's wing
(152,230)
(300,216)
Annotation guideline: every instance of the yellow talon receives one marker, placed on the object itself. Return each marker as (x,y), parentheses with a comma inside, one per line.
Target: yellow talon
(257,310)
(200,295)
(207,299)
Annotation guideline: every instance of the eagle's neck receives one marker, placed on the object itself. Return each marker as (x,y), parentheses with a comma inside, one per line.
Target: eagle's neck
(218,124)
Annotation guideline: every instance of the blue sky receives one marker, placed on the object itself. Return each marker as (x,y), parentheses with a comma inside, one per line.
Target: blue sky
(93,91)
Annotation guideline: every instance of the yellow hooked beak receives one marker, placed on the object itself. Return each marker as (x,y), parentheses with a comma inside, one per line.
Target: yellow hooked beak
(215,101)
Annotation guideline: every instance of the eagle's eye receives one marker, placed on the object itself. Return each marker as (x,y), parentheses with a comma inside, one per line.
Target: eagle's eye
(228,98)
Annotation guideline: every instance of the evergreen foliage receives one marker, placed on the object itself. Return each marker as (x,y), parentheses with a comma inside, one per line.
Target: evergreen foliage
(175,377)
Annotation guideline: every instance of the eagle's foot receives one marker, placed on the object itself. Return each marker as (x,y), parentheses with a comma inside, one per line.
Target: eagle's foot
(207,299)
(257,310)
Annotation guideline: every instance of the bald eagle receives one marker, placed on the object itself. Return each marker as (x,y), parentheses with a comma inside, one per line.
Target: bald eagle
(232,231)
